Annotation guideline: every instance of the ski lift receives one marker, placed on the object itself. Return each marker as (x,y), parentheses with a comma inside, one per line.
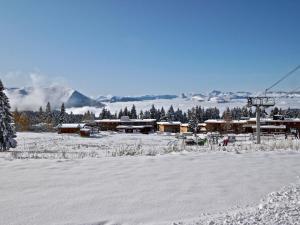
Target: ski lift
(261,101)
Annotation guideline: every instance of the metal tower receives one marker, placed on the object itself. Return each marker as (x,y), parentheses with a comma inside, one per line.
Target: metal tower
(259,102)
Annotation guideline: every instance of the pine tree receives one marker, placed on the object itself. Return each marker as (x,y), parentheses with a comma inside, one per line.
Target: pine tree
(7,133)
(48,116)
(193,122)
(152,112)
(162,113)
(141,116)
(170,114)
(125,112)
(41,115)
(120,114)
(133,112)
(88,116)
(62,114)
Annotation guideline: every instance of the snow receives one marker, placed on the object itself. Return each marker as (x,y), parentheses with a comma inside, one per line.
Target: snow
(120,120)
(71,125)
(181,103)
(138,190)
(280,207)
(130,126)
(271,127)
(85,129)
(177,188)
(169,123)
(223,121)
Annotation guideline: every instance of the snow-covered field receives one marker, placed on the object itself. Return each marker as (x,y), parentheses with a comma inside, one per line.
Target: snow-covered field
(181,103)
(107,144)
(181,187)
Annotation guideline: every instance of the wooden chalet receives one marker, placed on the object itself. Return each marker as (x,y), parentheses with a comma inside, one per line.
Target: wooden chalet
(169,127)
(223,126)
(85,132)
(184,128)
(69,128)
(127,125)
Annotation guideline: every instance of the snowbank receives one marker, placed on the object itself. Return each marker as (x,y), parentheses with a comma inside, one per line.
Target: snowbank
(281,207)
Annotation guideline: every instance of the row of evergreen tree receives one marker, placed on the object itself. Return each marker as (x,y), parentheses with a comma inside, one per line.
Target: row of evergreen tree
(24,120)
(201,113)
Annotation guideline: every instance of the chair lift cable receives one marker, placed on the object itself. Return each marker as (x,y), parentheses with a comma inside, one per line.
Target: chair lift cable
(283,78)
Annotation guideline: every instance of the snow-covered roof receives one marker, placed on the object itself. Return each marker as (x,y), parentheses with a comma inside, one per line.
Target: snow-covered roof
(72,125)
(223,121)
(270,127)
(279,121)
(184,124)
(130,120)
(132,127)
(214,121)
(169,123)
(199,124)
(85,130)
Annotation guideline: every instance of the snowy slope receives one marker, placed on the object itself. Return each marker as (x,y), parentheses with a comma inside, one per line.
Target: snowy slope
(138,190)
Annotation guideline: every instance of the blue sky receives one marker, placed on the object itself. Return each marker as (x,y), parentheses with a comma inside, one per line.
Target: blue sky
(137,47)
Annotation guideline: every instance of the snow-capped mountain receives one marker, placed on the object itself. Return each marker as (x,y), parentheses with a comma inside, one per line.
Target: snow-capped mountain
(284,94)
(198,97)
(79,100)
(110,98)
(31,98)
(227,96)
(217,96)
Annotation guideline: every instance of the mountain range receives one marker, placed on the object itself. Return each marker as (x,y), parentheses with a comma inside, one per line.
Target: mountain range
(31,98)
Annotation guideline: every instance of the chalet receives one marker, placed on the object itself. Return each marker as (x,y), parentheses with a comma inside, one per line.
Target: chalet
(169,127)
(202,127)
(145,129)
(223,126)
(127,125)
(184,128)
(276,124)
(271,129)
(70,128)
(85,132)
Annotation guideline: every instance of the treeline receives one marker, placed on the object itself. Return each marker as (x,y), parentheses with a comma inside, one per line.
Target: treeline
(45,120)
(288,113)
(170,114)
(42,120)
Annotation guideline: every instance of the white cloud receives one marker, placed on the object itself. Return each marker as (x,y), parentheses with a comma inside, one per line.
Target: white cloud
(31,79)
(57,91)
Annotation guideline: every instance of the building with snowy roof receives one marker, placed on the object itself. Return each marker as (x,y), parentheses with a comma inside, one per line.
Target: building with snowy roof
(224,126)
(70,127)
(125,124)
(169,127)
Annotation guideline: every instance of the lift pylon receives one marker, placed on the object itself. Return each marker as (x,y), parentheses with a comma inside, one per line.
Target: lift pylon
(259,102)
